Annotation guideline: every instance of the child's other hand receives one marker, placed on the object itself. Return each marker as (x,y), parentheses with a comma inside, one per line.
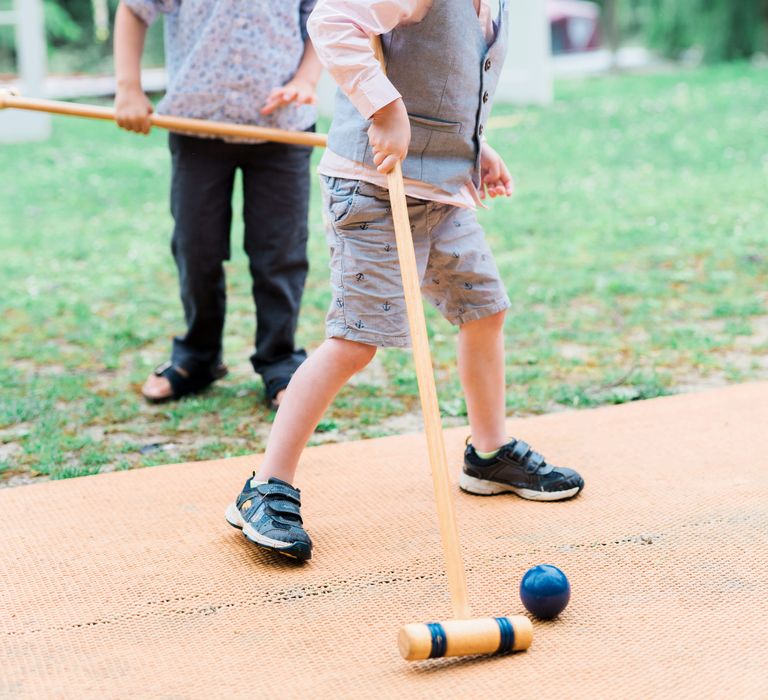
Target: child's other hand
(133,109)
(297,91)
(494,176)
(390,135)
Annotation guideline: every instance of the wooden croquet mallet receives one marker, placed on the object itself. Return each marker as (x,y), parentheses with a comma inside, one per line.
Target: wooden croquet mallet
(203,127)
(462,635)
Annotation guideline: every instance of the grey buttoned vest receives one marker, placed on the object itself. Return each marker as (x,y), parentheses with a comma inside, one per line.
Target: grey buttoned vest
(447,75)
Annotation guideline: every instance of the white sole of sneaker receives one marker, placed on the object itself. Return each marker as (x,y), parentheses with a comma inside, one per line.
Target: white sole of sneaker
(232,514)
(482,487)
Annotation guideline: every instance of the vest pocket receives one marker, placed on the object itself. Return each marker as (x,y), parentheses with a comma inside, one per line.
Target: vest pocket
(425,133)
(434,124)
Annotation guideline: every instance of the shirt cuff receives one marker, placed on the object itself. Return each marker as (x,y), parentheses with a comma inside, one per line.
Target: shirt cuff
(373,93)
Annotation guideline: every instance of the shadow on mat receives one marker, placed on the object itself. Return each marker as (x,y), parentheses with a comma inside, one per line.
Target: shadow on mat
(440,665)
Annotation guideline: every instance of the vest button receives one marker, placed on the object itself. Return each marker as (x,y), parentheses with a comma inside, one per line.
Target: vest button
(480,130)
(485,97)
(488,64)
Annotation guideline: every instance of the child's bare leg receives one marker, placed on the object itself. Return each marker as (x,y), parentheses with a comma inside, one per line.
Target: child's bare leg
(312,388)
(481,369)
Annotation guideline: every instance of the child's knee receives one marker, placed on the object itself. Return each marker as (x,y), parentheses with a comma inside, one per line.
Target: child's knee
(354,356)
(494,322)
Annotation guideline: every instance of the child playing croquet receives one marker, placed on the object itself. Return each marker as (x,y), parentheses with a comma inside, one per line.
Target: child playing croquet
(442,60)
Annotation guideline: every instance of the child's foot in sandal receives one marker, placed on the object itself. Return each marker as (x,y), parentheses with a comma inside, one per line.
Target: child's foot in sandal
(268,513)
(170,383)
(274,390)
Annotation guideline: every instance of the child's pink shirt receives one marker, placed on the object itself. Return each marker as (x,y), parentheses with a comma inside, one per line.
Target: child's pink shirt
(341,32)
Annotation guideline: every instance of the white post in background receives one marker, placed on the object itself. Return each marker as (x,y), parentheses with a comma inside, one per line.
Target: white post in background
(29,21)
(527,74)
(326,92)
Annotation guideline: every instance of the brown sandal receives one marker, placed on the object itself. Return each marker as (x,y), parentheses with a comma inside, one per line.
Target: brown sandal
(184,384)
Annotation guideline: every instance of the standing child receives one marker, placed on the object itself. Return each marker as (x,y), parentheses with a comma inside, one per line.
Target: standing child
(443,60)
(246,63)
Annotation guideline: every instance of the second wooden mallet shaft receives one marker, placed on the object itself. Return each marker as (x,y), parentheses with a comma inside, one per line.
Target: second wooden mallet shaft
(201,127)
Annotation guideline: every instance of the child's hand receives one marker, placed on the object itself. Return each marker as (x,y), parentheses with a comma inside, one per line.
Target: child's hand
(298,91)
(494,176)
(132,110)
(390,135)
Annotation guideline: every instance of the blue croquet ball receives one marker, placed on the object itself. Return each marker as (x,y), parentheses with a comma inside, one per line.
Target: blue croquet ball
(545,591)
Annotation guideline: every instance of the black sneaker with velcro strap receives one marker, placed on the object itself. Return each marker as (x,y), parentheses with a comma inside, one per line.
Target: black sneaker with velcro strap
(516,468)
(269,514)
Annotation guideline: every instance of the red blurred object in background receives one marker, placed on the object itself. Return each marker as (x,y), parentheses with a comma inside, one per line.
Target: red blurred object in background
(575,25)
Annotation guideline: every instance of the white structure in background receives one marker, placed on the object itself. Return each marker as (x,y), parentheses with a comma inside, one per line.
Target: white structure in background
(29,22)
(527,74)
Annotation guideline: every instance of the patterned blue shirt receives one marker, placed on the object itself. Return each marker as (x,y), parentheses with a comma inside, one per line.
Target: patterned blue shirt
(223,57)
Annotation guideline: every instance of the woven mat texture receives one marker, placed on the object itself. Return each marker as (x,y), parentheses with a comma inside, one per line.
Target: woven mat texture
(132,585)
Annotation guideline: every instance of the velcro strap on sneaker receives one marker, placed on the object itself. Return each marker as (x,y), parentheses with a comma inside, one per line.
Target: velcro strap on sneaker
(278,506)
(280,490)
(520,451)
(534,462)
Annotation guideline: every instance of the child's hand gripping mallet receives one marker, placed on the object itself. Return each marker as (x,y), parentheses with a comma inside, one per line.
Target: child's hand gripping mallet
(462,635)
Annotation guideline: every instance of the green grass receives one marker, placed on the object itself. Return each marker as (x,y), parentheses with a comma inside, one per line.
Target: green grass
(635,252)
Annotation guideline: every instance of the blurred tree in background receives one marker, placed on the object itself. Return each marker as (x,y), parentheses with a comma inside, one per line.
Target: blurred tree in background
(79,36)
(723,30)
(65,25)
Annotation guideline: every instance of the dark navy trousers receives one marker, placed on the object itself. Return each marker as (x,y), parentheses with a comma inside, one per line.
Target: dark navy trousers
(276,186)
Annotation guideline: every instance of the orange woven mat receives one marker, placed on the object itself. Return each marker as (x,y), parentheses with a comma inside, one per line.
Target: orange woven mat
(131,584)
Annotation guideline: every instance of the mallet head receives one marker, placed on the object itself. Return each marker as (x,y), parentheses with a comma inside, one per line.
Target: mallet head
(484,635)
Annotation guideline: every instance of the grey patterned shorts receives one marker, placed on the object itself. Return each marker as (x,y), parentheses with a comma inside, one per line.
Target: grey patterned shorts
(459,275)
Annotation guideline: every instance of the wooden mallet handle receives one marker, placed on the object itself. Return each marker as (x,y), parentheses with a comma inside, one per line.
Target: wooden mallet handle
(202,127)
(425,377)
(428,394)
